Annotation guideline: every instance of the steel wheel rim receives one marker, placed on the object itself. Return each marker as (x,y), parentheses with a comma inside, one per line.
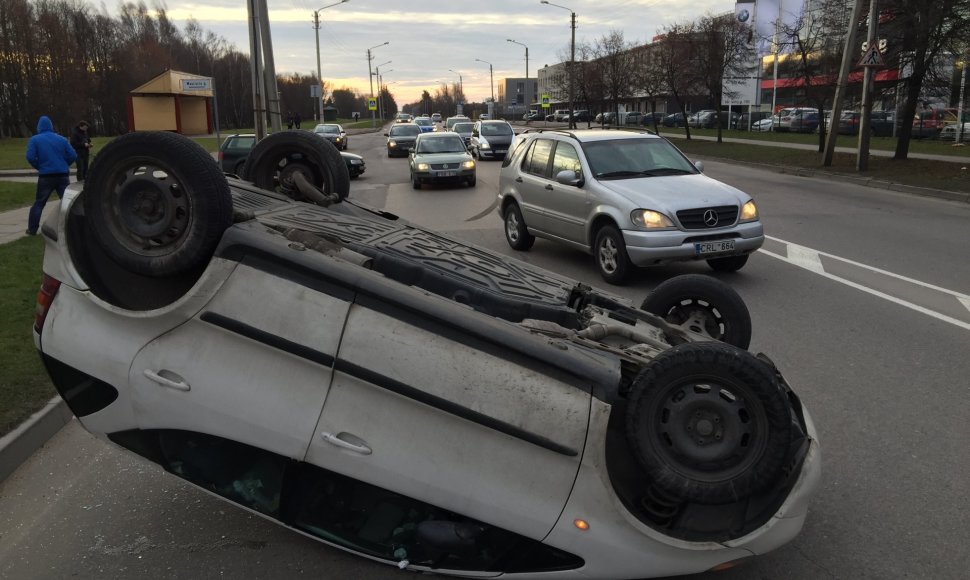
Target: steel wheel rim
(698,315)
(148,210)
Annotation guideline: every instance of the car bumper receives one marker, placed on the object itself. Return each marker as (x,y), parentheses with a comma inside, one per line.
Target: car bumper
(653,248)
(443,175)
(498,153)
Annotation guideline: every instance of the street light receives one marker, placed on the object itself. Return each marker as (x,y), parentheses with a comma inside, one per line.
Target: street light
(491,83)
(572,57)
(461,87)
(316,25)
(370,76)
(526,56)
(380,89)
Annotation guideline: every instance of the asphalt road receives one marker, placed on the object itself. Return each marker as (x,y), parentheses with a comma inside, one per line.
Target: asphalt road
(860,297)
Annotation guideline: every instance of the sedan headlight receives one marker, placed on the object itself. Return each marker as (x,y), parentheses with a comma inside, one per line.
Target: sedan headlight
(749,212)
(650,219)
(468,164)
(423,167)
(356,161)
(392,143)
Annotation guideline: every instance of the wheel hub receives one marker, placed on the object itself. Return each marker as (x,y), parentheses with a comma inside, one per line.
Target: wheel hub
(152,207)
(698,316)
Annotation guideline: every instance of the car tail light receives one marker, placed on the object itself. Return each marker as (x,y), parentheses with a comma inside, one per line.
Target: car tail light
(222,155)
(45,297)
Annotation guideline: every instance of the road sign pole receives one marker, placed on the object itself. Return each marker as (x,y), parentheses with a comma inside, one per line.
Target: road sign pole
(871,60)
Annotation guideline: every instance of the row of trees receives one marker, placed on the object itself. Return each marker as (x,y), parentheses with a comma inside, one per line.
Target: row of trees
(689,61)
(63,59)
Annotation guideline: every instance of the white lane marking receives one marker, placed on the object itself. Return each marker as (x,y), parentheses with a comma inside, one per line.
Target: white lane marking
(790,245)
(803,260)
(965,301)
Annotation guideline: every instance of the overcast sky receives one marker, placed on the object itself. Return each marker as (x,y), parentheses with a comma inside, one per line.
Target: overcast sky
(429,37)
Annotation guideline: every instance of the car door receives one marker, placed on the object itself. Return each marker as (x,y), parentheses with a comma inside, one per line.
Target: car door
(565,206)
(253,366)
(532,182)
(428,411)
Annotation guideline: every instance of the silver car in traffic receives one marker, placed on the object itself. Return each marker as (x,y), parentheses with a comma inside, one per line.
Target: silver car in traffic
(631,199)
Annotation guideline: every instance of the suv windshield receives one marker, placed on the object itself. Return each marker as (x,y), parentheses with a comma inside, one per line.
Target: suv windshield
(630,158)
(463,127)
(399,130)
(495,129)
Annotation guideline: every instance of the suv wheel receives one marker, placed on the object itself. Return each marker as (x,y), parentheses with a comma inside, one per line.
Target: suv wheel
(704,305)
(709,423)
(516,233)
(276,160)
(730,264)
(611,257)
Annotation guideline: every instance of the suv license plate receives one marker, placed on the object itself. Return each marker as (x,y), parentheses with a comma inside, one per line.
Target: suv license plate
(705,248)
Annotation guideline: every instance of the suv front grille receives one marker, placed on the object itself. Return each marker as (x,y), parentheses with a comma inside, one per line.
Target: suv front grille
(704,218)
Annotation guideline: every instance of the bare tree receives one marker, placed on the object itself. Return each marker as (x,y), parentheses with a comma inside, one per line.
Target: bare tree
(646,77)
(675,61)
(614,58)
(723,49)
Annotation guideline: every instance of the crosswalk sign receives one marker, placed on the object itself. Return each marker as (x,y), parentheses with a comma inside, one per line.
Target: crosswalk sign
(545,101)
(371,104)
(872,58)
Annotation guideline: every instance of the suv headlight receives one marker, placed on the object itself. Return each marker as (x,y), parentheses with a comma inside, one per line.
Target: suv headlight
(423,167)
(749,212)
(650,219)
(468,164)
(392,143)
(483,143)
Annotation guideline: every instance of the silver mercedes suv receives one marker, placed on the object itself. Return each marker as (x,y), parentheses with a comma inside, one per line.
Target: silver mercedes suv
(629,198)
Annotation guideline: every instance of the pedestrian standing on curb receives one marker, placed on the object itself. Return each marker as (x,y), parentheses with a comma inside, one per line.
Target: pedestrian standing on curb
(297,120)
(81,142)
(51,155)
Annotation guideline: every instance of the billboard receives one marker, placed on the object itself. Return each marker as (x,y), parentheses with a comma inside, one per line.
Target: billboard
(768,16)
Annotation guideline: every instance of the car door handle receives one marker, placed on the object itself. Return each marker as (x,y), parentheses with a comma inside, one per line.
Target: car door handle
(168,379)
(341,440)
(549,186)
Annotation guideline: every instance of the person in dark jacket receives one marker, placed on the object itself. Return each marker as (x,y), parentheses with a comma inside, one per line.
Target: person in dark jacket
(81,142)
(51,155)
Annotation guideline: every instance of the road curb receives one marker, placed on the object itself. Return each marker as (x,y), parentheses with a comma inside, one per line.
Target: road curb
(31,435)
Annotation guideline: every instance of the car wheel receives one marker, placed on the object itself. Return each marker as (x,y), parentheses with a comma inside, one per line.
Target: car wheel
(729,264)
(471,181)
(157,203)
(415,182)
(709,423)
(611,257)
(516,234)
(704,305)
(276,160)
(238,169)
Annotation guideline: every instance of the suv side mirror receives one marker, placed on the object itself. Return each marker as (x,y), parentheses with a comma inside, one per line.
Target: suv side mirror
(699,165)
(569,177)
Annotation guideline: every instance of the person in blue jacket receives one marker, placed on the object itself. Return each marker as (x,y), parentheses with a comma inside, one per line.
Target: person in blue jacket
(51,155)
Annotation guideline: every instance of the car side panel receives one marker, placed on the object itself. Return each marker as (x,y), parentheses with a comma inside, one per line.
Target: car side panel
(275,365)
(453,425)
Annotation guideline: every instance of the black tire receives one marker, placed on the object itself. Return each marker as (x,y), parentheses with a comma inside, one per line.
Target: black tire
(415,182)
(609,251)
(516,233)
(238,169)
(729,264)
(157,203)
(277,158)
(704,305)
(471,182)
(709,423)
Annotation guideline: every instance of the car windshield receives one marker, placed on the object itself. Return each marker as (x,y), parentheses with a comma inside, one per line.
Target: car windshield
(449,144)
(327,129)
(463,127)
(400,130)
(496,129)
(632,158)
(423,122)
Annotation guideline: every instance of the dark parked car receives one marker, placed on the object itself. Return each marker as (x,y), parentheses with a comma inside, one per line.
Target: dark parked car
(880,123)
(747,120)
(400,139)
(675,120)
(632,118)
(235,150)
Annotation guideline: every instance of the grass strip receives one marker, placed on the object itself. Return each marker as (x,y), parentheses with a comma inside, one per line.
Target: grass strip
(24,385)
(14,195)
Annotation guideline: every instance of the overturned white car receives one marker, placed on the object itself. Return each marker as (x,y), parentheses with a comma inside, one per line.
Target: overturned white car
(401,394)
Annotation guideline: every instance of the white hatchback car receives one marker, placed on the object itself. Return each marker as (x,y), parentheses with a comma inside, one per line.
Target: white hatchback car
(401,394)
(630,199)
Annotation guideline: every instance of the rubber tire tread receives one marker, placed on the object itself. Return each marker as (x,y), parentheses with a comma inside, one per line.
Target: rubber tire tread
(323,156)
(201,178)
(737,319)
(710,360)
(526,240)
(623,264)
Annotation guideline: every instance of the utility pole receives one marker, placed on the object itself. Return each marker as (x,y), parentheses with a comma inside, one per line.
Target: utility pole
(862,159)
(848,54)
(370,77)
(259,116)
(316,25)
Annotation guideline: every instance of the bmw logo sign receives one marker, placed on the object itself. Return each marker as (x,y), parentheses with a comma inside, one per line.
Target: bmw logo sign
(743,15)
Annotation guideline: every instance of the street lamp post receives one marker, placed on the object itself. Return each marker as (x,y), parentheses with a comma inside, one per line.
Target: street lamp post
(461,89)
(572,57)
(316,25)
(380,90)
(491,84)
(528,98)
(526,56)
(370,77)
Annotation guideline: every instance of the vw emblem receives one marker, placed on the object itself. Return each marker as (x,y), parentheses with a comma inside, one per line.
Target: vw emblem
(445,166)
(710,218)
